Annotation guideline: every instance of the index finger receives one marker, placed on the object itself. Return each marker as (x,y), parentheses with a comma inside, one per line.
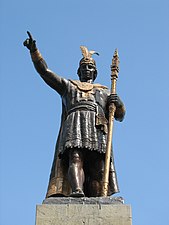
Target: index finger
(29,34)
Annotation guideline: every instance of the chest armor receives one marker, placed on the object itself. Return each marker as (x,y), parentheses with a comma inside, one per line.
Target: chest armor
(85,92)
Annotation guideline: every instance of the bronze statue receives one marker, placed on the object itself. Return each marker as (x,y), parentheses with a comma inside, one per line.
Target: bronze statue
(79,159)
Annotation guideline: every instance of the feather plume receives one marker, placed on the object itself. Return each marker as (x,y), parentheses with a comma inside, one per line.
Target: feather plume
(93,52)
(85,51)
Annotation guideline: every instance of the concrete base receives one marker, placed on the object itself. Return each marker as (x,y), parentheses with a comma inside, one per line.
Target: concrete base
(83,211)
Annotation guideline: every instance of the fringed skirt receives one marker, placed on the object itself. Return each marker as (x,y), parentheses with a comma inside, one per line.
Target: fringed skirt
(80,131)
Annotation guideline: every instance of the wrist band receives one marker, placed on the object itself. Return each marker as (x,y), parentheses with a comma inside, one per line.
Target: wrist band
(36,56)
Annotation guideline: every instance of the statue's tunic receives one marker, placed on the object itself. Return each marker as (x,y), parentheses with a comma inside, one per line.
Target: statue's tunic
(83,124)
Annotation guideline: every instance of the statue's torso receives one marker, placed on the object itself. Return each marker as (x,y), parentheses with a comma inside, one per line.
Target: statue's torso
(82,92)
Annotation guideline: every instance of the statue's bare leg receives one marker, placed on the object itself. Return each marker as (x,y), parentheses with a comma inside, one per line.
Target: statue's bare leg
(95,169)
(76,173)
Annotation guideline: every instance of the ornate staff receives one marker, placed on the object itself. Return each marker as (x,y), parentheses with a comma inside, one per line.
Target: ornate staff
(112,108)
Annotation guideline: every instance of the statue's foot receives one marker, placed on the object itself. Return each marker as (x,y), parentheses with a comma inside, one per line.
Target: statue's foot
(78,193)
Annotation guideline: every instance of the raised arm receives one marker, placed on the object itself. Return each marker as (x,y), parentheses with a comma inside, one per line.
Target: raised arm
(53,80)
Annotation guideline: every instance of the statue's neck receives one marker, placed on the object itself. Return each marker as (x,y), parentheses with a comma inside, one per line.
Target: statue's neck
(87,81)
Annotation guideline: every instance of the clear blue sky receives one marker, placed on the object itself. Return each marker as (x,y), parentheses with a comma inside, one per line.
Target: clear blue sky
(30,110)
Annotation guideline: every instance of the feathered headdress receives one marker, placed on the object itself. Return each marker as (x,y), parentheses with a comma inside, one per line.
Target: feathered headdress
(87,55)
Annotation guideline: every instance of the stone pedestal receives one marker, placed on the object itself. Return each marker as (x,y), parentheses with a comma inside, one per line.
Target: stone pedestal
(83,211)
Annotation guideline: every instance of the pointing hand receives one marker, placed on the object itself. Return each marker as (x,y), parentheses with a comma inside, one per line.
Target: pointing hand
(30,43)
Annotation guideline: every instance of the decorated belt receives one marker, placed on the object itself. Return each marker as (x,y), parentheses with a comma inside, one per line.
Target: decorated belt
(83,106)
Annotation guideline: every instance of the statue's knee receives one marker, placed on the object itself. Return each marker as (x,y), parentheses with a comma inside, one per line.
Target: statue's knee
(75,157)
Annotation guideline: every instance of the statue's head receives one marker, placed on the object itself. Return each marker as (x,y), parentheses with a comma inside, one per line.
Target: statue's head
(87,65)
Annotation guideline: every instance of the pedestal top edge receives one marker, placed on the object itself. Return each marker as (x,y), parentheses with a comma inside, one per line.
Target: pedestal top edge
(84,200)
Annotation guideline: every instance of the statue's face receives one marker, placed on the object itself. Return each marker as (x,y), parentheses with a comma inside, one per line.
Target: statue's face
(87,72)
